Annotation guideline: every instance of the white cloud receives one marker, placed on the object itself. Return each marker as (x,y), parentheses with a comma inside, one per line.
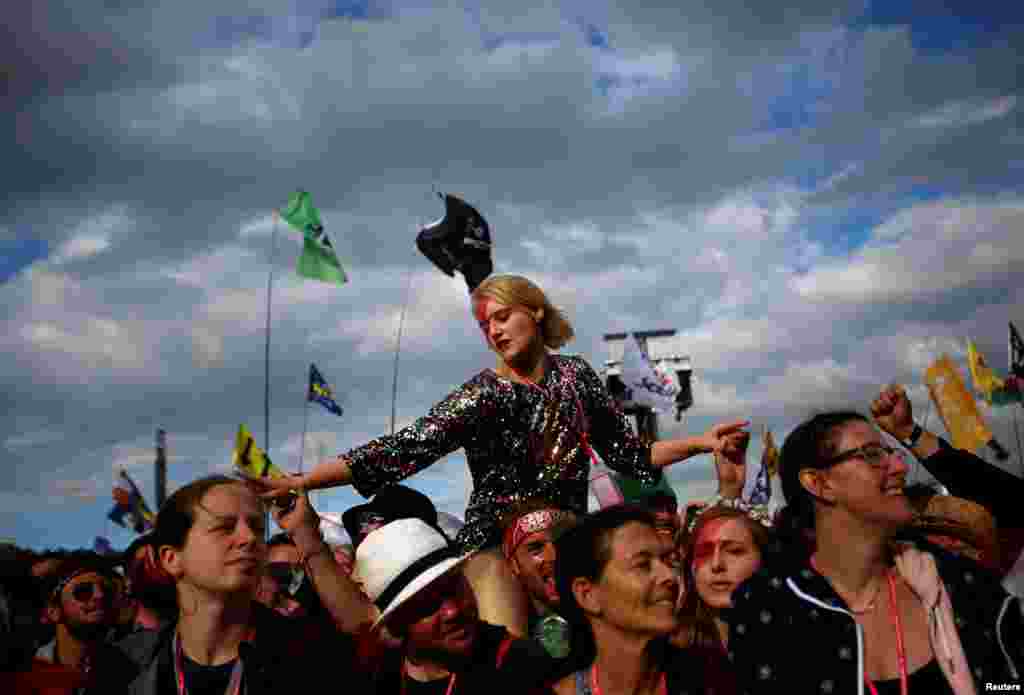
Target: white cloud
(94,342)
(659,64)
(93,235)
(963,113)
(49,288)
(81,247)
(927,249)
(920,354)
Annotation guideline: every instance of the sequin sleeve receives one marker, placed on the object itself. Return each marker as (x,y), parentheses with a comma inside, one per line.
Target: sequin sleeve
(447,427)
(609,432)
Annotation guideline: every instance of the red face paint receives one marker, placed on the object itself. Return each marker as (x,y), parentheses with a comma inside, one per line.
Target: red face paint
(707,541)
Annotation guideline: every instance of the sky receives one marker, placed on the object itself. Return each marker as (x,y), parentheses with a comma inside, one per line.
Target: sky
(820,198)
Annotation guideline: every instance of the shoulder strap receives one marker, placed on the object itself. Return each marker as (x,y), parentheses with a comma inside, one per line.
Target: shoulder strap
(503,648)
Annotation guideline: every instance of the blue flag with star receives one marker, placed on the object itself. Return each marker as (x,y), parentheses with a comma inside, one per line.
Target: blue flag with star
(320,391)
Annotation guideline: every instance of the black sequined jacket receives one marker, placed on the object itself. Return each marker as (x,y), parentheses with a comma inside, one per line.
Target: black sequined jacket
(790,632)
(521,441)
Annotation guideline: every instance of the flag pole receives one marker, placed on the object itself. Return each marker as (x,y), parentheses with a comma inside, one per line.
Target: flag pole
(266,351)
(398,347)
(305,419)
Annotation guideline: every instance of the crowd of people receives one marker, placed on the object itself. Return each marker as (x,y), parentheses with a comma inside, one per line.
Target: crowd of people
(860,583)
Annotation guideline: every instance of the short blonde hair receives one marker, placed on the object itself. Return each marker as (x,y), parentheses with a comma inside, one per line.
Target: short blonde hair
(515,289)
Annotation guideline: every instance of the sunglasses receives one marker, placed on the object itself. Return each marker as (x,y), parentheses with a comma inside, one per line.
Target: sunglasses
(875,455)
(84,591)
(287,576)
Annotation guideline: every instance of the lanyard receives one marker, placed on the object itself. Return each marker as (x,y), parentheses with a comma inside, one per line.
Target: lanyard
(596,687)
(901,655)
(234,685)
(581,430)
(894,615)
(405,673)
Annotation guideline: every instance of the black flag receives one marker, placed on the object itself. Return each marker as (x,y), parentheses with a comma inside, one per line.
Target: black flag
(1016,353)
(461,240)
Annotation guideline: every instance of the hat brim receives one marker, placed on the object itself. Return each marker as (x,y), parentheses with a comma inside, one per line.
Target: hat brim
(420,583)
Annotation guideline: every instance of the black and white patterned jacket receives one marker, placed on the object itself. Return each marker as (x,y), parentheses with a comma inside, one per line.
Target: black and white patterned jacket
(789,632)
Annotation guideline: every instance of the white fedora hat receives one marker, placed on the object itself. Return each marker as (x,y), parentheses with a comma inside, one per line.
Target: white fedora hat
(399,559)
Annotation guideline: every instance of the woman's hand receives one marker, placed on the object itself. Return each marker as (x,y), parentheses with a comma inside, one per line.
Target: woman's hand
(731,464)
(893,412)
(330,473)
(728,438)
(272,489)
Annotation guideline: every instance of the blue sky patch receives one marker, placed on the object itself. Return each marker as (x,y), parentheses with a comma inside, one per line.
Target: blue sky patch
(15,255)
(936,28)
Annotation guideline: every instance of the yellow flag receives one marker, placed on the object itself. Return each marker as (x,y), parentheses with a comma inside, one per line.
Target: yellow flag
(770,455)
(985,380)
(252,461)
(956,406)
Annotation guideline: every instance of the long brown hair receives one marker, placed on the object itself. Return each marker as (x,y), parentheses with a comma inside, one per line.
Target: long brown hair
(697,626)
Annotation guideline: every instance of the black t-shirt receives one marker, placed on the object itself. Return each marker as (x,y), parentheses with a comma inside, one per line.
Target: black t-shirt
(207,680)
(525,666)
(434,687)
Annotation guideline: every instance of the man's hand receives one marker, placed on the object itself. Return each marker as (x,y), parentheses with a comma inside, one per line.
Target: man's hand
(300,521)
(893,413)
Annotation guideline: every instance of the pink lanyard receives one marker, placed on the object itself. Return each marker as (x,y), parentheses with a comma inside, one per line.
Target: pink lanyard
(596,687)
(897,621)
(901,655)
(234,685)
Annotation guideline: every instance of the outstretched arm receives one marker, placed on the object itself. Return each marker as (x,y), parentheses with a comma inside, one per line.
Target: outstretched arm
(728,439)
(331,473)
(397,456)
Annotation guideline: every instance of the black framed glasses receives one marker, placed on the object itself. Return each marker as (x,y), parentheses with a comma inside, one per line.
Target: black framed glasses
(875,455)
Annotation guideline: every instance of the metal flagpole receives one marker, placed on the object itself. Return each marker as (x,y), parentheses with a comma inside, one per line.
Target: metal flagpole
(266,352)
(305,419)
(398,347)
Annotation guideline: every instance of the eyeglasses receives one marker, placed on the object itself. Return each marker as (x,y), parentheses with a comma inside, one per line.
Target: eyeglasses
(84,591)
(875,455)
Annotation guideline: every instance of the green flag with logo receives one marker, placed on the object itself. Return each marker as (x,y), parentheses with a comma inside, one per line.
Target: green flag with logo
(318,260)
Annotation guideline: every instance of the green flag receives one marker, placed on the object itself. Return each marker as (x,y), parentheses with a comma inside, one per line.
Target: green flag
(318,260)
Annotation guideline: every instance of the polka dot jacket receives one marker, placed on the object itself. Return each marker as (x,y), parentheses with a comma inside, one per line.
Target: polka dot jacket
(790,632)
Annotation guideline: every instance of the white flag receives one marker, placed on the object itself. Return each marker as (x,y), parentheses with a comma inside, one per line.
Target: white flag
(646,385)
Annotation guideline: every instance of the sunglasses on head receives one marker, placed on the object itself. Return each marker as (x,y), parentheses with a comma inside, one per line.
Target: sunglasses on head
(875,455)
